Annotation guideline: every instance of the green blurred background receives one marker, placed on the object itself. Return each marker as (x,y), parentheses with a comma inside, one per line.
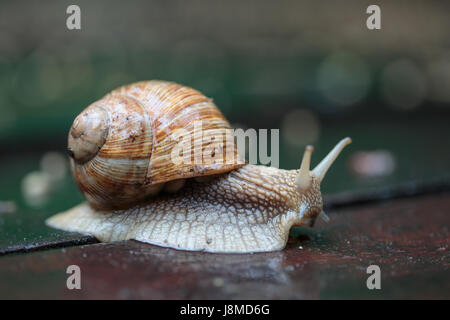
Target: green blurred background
(309,68)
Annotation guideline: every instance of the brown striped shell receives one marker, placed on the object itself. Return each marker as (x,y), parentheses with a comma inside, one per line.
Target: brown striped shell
(122,146)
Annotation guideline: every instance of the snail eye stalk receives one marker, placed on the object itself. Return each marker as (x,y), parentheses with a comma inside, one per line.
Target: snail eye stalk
(321,169)
(303,179)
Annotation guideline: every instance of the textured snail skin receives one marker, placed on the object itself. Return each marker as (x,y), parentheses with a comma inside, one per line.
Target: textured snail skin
(250,209)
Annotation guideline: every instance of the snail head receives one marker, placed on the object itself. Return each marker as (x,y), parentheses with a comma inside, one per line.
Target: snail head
(308,184)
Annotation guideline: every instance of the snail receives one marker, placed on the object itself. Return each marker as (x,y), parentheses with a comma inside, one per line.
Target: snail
(121,151)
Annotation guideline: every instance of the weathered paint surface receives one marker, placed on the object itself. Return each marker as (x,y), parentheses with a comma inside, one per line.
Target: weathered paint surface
(407,238)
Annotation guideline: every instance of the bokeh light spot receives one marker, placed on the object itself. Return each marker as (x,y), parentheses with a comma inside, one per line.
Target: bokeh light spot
(36,188)
(54,164)
(376,163)
(403,85)
(344,79)
(439,76)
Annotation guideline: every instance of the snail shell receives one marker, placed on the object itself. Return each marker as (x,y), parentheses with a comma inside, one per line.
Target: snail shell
(120,146)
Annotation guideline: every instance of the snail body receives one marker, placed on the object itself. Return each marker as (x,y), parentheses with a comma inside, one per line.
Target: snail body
(238,208)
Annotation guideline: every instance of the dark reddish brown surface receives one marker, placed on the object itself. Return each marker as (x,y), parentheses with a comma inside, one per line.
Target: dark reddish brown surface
(407,238)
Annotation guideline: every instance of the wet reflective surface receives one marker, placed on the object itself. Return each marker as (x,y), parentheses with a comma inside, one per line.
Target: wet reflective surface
(407,238)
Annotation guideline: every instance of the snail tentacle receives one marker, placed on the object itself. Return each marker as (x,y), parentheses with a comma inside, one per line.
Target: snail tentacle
(321,169)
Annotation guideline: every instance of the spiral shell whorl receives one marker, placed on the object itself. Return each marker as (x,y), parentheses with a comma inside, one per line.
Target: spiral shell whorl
(88,134)
(124,153)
